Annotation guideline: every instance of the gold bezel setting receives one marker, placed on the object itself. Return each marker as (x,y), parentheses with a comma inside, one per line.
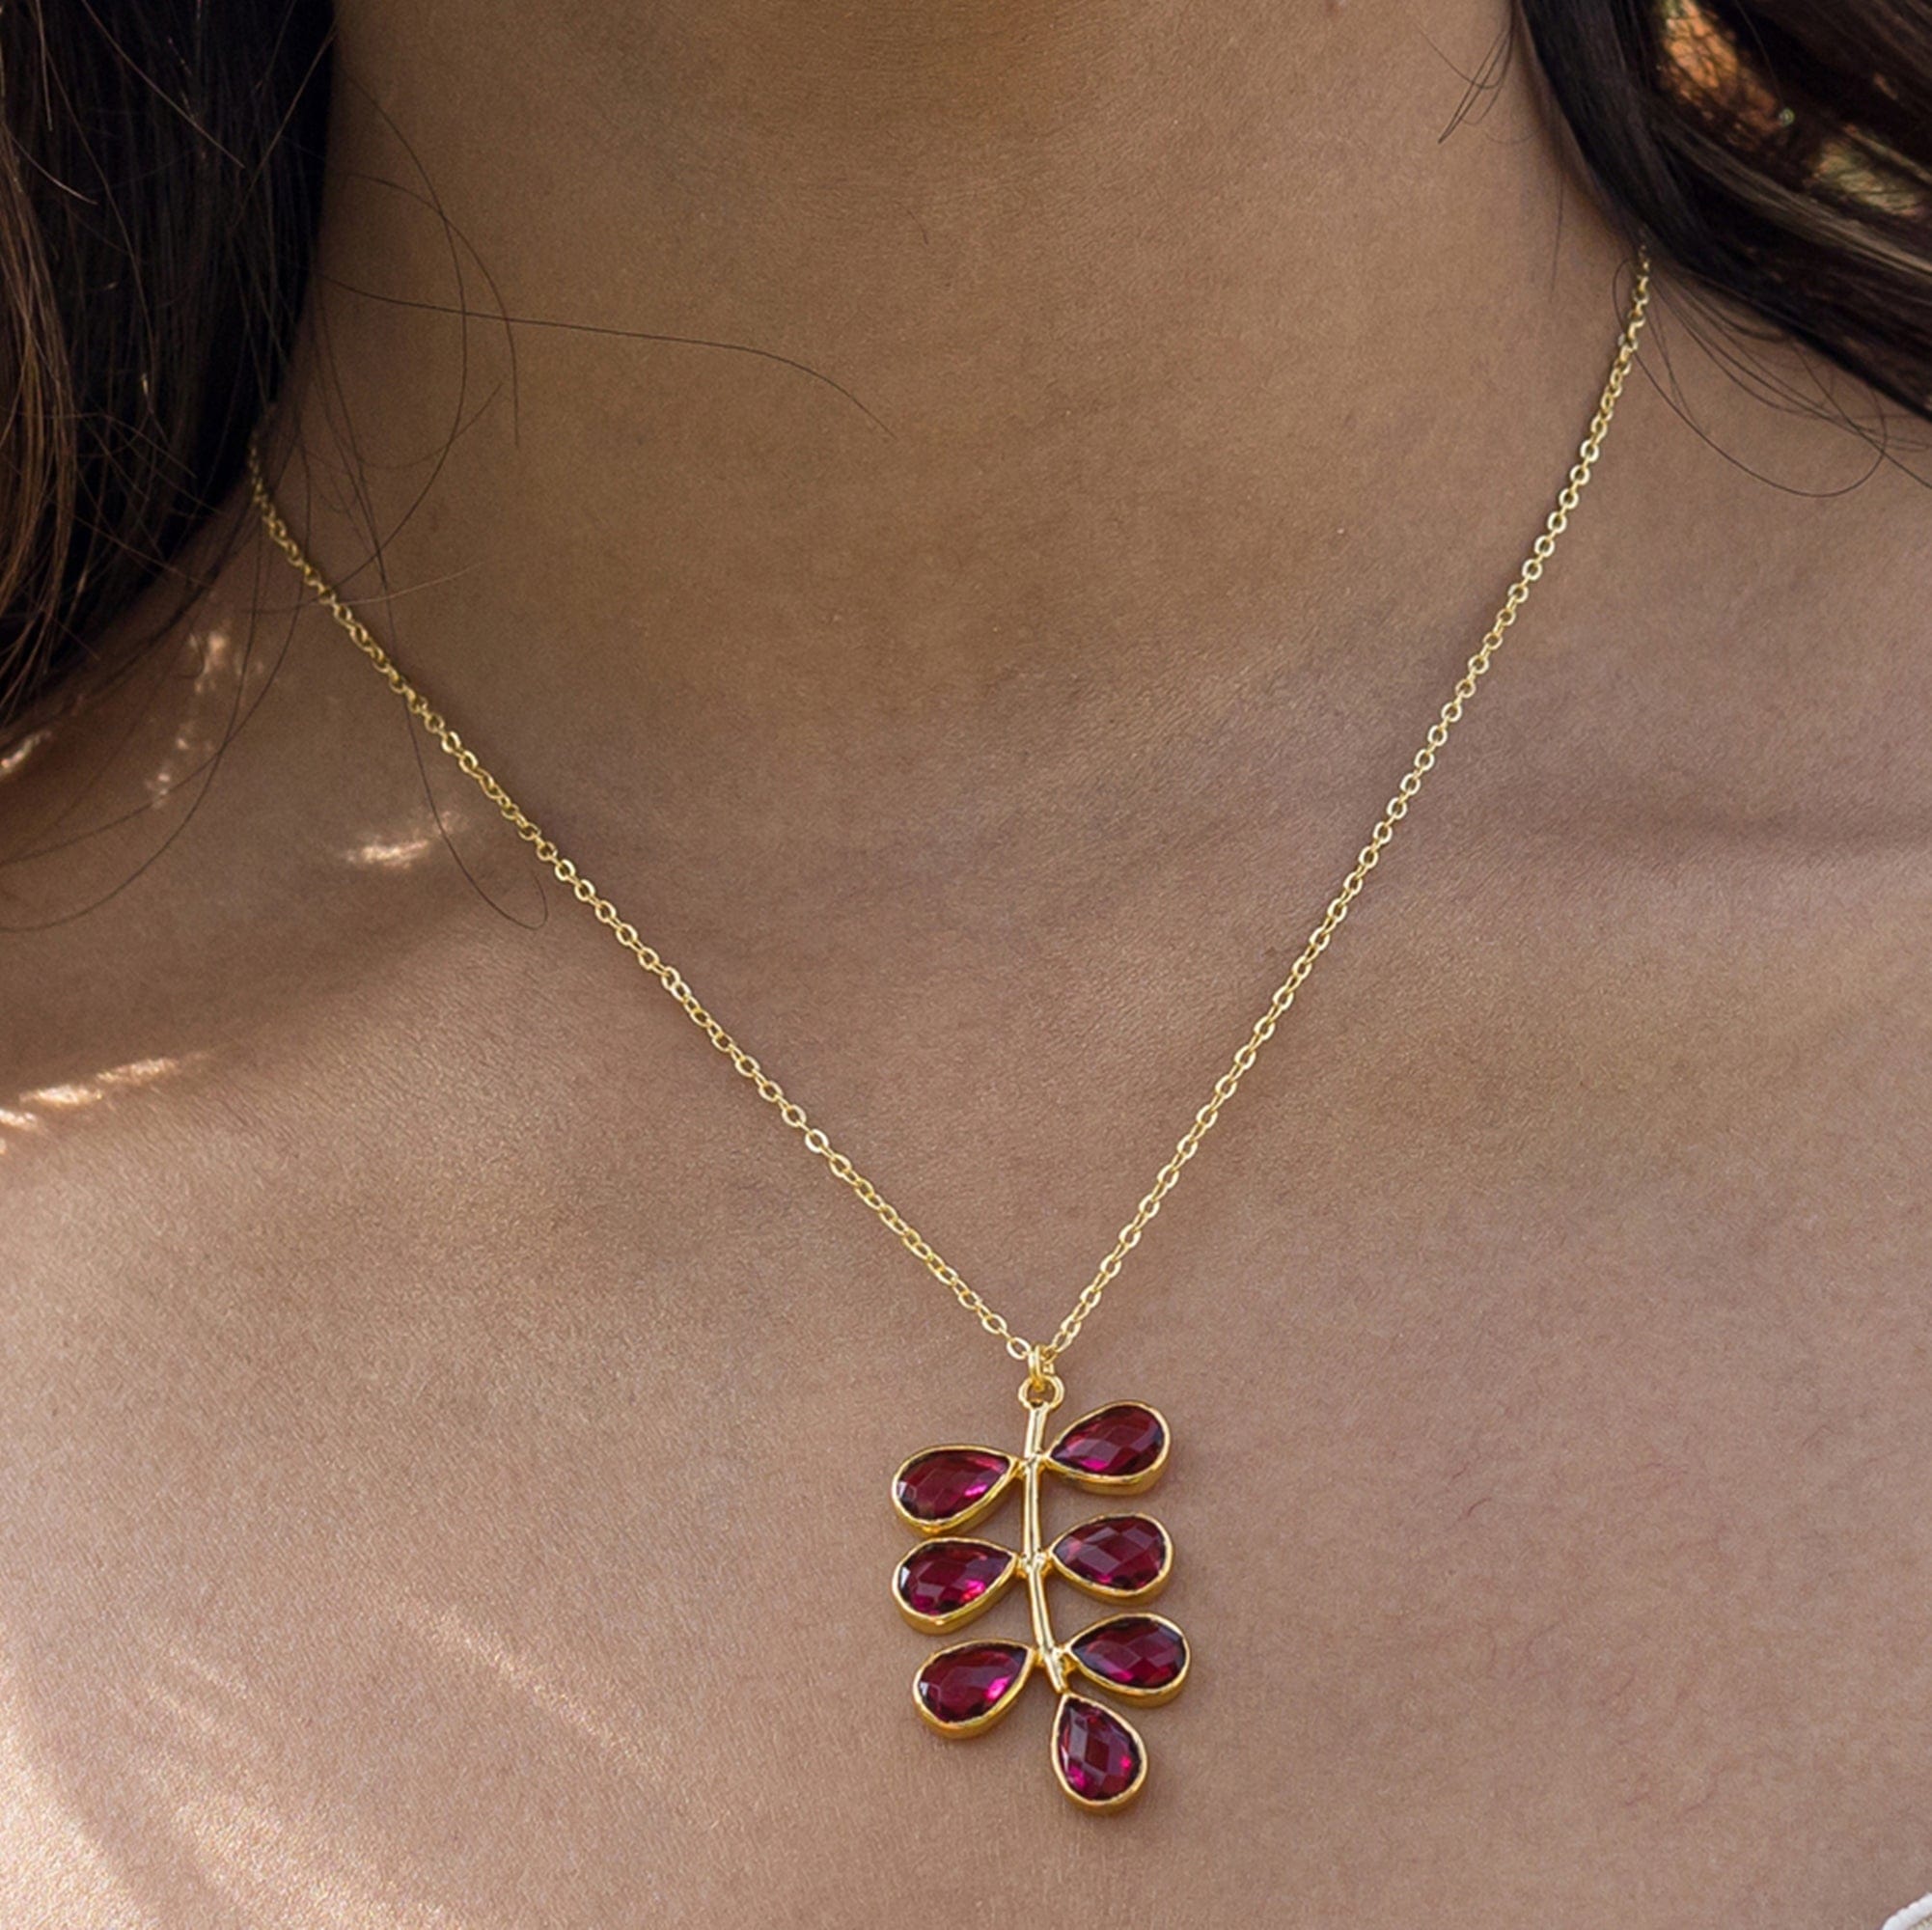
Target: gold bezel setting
(1124,1596)
(1144,1698)
(1106,1806)
(976,1724)
(953,1618)
(978,1511)
(1112,1484)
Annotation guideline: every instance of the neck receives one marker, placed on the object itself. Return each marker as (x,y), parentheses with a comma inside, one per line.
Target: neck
(896,375)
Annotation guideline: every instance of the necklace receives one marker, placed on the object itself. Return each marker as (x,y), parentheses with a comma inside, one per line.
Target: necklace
(1117,1451)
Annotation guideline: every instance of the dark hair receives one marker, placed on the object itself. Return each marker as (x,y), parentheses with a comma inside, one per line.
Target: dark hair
(160,178)
(1777,154)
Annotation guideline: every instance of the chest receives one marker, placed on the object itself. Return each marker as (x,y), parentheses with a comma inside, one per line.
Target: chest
(492,1524)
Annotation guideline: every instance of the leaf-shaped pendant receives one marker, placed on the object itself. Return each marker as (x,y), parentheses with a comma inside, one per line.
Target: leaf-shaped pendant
(1098,1755)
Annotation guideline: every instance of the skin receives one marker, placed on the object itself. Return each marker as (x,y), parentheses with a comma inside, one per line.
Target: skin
(448,1423)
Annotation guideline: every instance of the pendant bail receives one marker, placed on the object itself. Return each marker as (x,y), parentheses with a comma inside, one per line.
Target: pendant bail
(1042,1388)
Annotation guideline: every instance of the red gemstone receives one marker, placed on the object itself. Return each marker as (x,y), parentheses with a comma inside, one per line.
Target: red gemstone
(1142,1653)
(943,1577)
(1099,1756)
(1115,1444)
(960,1684)
(948,1481)
(1120,1553)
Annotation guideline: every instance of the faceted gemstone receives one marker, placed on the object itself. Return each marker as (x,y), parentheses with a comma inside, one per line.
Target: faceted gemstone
(961,1685)
(1099,1756)
(1139,1654)
(948,1481)
(1115,1444)
(1121,1553)
(945,1577)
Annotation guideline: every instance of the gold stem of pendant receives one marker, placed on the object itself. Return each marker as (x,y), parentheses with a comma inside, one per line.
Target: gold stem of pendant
(1033,1553)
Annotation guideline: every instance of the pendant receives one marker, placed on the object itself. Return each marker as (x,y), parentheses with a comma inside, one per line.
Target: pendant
(1098,1755)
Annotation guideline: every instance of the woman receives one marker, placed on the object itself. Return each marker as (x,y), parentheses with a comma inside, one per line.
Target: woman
(956,517)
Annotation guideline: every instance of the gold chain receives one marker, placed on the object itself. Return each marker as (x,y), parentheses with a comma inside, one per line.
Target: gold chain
(1039,1358)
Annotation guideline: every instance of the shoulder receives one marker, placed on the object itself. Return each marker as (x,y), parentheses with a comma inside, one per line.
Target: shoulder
(204,905)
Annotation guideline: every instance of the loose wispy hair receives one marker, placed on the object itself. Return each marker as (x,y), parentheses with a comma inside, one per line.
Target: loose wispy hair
(160,183)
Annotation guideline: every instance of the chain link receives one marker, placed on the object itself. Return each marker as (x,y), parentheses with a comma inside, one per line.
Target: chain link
(1040,1358)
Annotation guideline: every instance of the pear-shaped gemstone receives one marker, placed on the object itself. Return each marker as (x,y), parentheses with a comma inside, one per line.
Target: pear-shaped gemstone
(945,1579)
(948,1485)
(1121,1443)
(966,1687)
(1100,1758)
(1116,1555)
(1139,1655)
